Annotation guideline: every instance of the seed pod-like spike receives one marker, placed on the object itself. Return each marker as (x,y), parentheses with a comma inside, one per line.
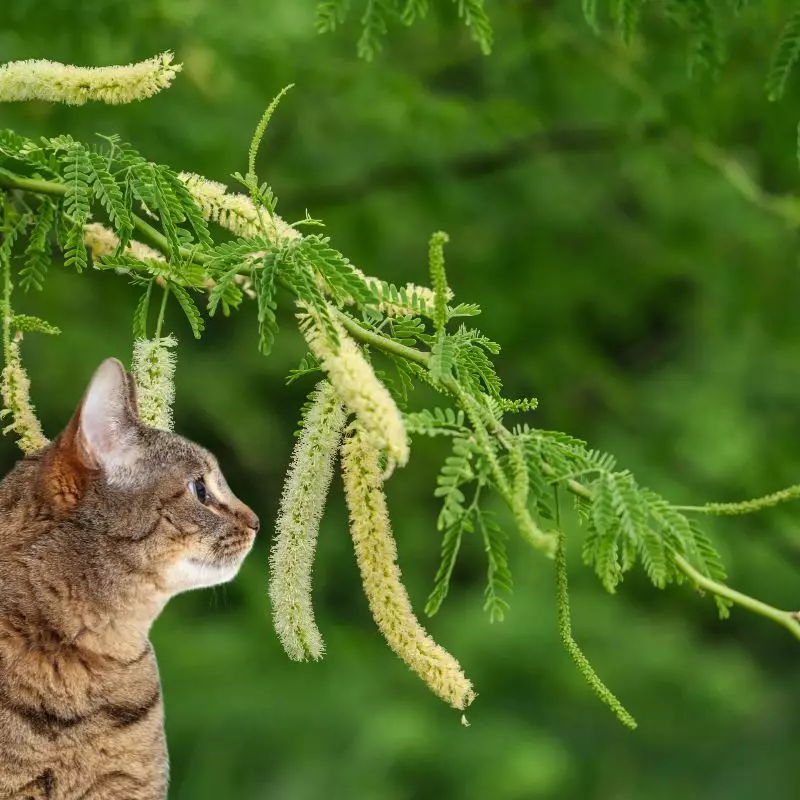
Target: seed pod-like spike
(376,554)
(154,369)
(15,389)
(356,383)
(304,494)
(64,83)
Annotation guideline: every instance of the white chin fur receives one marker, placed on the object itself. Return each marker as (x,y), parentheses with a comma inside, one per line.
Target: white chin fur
(189,573)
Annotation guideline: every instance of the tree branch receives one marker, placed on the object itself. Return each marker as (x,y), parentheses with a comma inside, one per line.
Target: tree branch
(789,620)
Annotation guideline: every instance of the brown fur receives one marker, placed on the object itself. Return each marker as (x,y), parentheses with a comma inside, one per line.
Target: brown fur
(97,532)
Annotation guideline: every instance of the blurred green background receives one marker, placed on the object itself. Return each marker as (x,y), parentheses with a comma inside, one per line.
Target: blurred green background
(650,307)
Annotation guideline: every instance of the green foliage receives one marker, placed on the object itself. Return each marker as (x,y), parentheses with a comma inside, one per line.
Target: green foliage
(265,294)
(377,15)
(498,577)
(77,203)
(456,473)
(38,252)
(451,544)
(140,314)
(624,524)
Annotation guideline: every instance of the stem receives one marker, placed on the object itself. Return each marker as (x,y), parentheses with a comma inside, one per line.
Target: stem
(789,619)
(382,343)
(745,506)
(162,312)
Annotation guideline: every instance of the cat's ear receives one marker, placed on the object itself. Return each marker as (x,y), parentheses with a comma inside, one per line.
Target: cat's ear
(104,432)
(107,426)
(102,437)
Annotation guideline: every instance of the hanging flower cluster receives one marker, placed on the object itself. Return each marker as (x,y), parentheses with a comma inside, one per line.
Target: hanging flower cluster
(356,383)
(235,211)
(303,500)
(16,392)
(153,367)
(63,83)
(376,554)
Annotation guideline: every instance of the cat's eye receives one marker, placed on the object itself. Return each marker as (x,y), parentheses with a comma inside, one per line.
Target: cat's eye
(198,488)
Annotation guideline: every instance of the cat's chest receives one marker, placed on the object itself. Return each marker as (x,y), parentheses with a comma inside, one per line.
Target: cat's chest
(68,728)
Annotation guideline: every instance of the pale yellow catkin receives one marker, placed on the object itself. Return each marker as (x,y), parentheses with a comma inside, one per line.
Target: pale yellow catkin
(292,555)
(53,82)
(234,211)
(376,554)
(104,242)
(356,383)
(15,389)
(153,367)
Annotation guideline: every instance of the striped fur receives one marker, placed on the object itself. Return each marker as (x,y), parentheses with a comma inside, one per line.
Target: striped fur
(97,532)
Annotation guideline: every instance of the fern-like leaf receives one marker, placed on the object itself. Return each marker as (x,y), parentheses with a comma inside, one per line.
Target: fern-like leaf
(443,357)
(111,197)
(436,422)
(193,315)
(455,473)
(140,314)
(498,575)
(784,57)
(77,203)
(476,19)
(265,295)
(37,253)
(451,544)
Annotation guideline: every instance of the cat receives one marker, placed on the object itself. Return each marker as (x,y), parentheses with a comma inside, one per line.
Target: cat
(97,531)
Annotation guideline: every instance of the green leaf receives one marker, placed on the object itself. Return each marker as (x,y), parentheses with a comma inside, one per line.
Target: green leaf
(456,472)
(436,422)
(330,14)
(476,19)
(140,315)
(710,564)
(606,523)
(37,253)
(77,203)
(414,10)
(108,192)
(784,57)
(498,575)
(308,366)
(451,544)
(191,311)
(343,281)
(265,295)
(589,8)
(443,357)
(626,14)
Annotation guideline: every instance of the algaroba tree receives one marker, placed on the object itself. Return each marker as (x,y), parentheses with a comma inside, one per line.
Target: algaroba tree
(178,237)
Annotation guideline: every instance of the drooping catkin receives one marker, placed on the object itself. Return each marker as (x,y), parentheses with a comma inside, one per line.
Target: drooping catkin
(235,211)
(376,554)
(103,242)
(356,383)
(153,367)
(292,556)
(64,83)
(15,389)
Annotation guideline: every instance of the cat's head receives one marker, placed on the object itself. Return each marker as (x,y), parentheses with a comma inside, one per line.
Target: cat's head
(151,505)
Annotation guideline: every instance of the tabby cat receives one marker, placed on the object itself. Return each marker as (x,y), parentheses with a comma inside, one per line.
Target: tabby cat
(97,531)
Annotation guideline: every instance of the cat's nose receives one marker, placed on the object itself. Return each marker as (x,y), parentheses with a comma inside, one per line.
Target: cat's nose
(249,519)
